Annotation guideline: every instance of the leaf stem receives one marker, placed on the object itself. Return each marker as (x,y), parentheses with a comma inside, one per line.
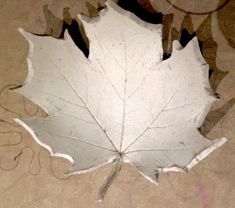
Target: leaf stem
(113,174)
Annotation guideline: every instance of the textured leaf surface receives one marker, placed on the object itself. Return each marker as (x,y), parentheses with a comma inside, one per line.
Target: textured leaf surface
(121,102)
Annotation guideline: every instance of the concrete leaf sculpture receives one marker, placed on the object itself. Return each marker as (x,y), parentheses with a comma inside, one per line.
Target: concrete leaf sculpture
(122,104)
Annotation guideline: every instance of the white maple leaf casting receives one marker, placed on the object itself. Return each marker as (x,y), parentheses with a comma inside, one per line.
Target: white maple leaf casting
(123,103)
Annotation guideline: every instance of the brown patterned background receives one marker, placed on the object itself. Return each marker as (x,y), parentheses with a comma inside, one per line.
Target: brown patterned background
(30,178)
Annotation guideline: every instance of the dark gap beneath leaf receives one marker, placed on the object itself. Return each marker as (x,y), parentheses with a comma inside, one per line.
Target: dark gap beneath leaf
(76,35)
(134,7)
(210,73)
(76,32)
(200,45)
(166,56)
(186,37)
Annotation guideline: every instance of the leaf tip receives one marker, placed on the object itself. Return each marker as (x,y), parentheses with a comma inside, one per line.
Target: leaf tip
(204,153)
(21,30)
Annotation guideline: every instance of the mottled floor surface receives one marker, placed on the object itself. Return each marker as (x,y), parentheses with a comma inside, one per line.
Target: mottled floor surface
(29,177)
